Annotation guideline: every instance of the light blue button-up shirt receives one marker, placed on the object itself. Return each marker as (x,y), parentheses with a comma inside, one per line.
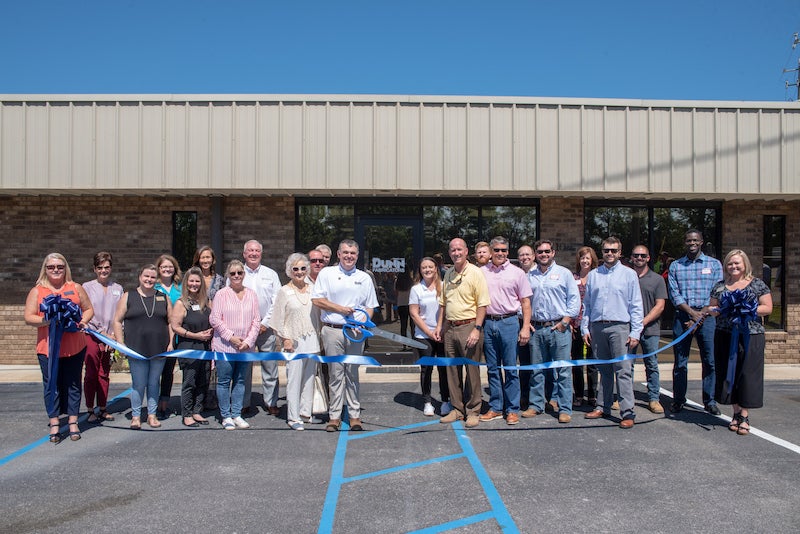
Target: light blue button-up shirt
(613,295)
(555,294)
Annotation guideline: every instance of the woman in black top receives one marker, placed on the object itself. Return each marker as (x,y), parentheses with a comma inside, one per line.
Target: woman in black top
(189,321)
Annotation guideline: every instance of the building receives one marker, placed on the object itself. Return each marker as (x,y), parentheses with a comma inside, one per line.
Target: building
(140,175)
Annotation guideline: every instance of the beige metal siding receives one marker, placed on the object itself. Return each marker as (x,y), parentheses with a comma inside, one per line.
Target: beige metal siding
(319,144)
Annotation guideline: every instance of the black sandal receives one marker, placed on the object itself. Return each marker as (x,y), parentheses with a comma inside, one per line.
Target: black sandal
(105,416)
(743,431)
(733,426)
(93,417)
(74,436)
(55,438)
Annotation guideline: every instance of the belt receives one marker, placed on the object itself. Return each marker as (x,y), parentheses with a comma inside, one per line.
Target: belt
(610,322)
(500,317)
(462,322)
(331,325)
(540,324)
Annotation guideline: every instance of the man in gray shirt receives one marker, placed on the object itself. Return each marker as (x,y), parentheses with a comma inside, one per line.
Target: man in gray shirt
(654,298)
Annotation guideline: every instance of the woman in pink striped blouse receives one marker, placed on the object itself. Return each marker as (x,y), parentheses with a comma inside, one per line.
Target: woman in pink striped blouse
(236,321)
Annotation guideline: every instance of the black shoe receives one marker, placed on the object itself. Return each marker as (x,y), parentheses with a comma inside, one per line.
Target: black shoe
(713,409)
(676,407)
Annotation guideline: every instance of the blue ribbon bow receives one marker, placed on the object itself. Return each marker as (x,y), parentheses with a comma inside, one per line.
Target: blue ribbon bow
(740,307)
(63,316)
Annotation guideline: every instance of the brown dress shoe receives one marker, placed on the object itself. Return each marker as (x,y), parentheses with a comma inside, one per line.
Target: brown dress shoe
(655,407)
(472,421)
(452,417)
(333,425)
(564,418)
(553,404)
(491,415)
(594,414)
(355,425)
(530,412)
(512,419)
(626,423)
(273,410)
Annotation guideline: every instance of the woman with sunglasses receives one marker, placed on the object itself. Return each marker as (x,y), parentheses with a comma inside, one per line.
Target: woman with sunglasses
(55,278)
(292,321)
(236,322)
(169,283)
(142,323)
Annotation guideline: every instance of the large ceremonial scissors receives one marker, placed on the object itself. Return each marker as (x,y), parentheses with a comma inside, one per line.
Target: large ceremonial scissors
(359,327)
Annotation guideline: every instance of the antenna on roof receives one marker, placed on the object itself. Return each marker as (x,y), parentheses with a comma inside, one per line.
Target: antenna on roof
(795,42)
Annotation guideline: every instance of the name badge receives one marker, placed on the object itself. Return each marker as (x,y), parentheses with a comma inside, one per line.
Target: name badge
(116,292)
(195,307)
(357,283)
(70,292)
(706,271)
(159,299)
(555,277)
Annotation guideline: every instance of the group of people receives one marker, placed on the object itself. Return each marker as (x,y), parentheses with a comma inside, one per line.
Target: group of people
(536,312)
(542,312)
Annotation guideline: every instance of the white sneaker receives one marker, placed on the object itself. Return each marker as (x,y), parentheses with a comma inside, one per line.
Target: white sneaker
(446,408)
(428,409)
(295,425)
(240,423)
(227,424)
(311,420)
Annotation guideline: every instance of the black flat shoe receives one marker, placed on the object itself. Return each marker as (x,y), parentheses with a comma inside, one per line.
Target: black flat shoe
(195,424)
(201,421)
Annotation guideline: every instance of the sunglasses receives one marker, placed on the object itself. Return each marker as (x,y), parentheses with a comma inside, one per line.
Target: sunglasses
(545,251)
(298,269)
(638,255)
(500,249)
(55,267)
(236,273)
(317,260)
(610,250)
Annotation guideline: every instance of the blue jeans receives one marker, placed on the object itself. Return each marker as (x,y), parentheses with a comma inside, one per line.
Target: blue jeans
(230,400)
(705,342)
(649,344)
(500,349)
(145,374)
(549,345)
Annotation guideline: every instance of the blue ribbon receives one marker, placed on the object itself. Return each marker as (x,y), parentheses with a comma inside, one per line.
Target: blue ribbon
(350,359)
(740,307)
(63,316)
(446,362)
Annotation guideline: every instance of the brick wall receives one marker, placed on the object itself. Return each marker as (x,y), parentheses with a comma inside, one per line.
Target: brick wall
(743,227)
(135,229)
(561,220)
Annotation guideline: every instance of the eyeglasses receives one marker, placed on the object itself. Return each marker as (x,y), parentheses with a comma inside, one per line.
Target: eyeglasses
(298,269)
(545,251)
(610,250)
(317,260)
(236,273)
(55,267)
(638,255)
(500,249)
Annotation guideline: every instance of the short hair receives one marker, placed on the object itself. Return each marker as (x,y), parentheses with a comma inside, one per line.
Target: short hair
(481,244)
(748,267)
(260,246)
(294,258)
(347,243)
(543,242)
(232,264)
(693,231)
(612,240)
(581,253)
(498,240)
(325,249)
(640,246)
(102,257)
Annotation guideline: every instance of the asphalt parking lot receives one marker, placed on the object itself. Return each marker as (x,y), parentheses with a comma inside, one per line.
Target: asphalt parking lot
(405,473)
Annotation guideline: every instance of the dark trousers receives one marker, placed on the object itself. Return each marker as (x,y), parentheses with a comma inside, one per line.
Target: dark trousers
(166,380)
(436,350)
(577,372)
(68,392)
(195,385)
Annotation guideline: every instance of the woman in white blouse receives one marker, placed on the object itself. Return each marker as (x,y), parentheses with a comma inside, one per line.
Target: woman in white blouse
(291,320)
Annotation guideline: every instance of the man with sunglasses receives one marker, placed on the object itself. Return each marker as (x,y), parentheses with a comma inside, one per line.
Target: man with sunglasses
(612,324)
(690,280)
(316,261)
(555,301)
(265,282)
(340,290)
(509,292)
(654,298)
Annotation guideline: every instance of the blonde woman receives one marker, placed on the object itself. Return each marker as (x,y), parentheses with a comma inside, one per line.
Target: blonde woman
(55,278)
(169,283)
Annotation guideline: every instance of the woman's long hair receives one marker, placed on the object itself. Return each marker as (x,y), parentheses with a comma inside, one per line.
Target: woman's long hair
(202,295)
(437,280)
(582,252)
(177,275)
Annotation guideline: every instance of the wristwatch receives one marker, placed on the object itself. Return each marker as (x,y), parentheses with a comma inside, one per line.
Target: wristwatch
(478,327)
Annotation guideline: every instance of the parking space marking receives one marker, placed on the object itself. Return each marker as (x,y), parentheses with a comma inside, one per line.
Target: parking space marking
(498,511)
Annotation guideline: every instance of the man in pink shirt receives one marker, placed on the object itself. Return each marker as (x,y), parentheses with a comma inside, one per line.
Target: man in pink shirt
(509,291)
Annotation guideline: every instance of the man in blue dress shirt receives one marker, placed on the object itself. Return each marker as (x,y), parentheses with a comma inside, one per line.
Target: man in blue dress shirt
(612,324)
(689,281)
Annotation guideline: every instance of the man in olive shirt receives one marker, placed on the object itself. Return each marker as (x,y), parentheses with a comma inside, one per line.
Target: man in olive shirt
(464,298)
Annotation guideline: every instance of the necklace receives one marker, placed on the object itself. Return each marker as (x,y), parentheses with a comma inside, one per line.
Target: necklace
(298,292)
(153,310)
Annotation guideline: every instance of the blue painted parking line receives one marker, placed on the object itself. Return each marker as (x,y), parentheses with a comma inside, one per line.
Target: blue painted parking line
(46,439)
(498,511)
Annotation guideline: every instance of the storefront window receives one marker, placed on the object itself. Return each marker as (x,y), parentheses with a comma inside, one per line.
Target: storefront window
(772,270)
(184,237)
(320,223)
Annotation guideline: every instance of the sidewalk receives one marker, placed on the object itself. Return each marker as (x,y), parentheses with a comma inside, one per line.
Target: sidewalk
(10,374)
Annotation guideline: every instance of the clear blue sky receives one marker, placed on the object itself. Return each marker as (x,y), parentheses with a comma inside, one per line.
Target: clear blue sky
(678,50)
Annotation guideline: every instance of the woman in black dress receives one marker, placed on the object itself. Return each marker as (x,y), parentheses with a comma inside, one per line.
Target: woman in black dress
(189,321)
(743,299)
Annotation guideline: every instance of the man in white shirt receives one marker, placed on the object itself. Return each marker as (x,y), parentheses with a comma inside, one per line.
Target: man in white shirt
(338,291)
(265,282)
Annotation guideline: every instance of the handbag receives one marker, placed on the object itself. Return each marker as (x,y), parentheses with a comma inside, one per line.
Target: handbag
(320,402)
